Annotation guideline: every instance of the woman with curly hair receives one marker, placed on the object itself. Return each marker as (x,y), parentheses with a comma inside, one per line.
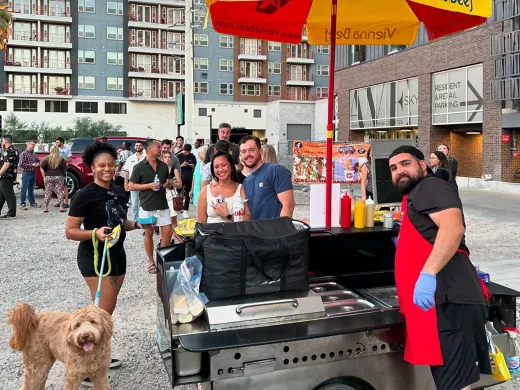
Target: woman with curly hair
(98,206)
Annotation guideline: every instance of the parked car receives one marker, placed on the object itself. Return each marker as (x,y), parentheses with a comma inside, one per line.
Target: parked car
(79,175)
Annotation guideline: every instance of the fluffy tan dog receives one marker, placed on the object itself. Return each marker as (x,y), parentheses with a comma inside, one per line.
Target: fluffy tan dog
(80,339)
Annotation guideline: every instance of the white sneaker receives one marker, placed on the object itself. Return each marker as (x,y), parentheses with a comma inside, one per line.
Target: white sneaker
(185,215)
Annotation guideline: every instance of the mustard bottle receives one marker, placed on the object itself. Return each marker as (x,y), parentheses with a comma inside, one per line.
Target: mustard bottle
(359,215)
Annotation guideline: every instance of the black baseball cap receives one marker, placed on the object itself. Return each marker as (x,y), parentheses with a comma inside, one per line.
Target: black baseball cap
(410,150)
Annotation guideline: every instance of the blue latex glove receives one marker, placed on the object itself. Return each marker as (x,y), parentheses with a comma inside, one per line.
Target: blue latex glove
(394,240)
(424,293)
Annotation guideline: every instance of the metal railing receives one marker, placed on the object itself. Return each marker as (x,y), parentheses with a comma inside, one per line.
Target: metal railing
(53,38)
(56,38)
(150,93)
(251,52)
(298,54)
(50,11)
(505,89)
(135,17)
(507,66)
(147,68)
(505,43)
(158,45)
(506,9)
(299,77)
(24,36)
(21,63)
(43,89)
(252,75)
(56,64)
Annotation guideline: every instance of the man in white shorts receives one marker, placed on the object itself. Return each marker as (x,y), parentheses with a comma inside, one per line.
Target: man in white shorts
(153,210)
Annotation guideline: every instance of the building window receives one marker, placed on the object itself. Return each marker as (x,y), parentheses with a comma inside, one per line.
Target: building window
(56,106)
(395,48)
(115,33)
(3,104)
(226,89)
(200,87)
(86,31)
(201,63)
(200,39)
(86,107)
(86,57)
(226,65)
(87,6)
(322,92)
(323,49)
(115,108)
(323,70)
(257,113)
(114,8)
(274,46)
(203,111)
(199,16)
(114,58)
(114,84)
(357,54)
(86,82)
(25,105)
(250,90)
(225,41)
(274,90)
(274,68)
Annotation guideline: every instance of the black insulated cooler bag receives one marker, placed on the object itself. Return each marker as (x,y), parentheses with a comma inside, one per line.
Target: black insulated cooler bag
(253,257)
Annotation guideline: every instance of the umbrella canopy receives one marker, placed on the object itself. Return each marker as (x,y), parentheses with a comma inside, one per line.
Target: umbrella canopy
(344,22)
(359,22)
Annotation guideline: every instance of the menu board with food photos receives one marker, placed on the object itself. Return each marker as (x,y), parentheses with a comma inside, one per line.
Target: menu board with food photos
(310,161)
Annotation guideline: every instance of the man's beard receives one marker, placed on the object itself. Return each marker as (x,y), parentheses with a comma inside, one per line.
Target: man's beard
(405,187)
(254,164)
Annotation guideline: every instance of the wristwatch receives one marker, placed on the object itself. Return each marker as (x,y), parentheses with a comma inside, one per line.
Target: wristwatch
(230,216)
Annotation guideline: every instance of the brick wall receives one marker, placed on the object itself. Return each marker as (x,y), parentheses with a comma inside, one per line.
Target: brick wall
(467,149)
(468,48)
(510,164)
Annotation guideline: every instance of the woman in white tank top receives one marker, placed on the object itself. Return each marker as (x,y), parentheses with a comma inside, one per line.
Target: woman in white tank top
(216,202)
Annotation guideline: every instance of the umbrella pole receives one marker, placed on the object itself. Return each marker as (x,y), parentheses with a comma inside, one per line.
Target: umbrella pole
(330,116)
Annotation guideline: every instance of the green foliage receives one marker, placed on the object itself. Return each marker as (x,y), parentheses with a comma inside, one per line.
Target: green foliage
(83,127)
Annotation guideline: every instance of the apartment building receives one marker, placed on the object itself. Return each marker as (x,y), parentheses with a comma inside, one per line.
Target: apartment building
(260,87)
(122,61)
(462,90)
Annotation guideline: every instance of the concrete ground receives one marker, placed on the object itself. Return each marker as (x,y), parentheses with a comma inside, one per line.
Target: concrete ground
(38,265)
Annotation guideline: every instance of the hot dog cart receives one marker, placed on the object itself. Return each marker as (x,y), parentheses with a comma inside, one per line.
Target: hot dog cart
(345,333)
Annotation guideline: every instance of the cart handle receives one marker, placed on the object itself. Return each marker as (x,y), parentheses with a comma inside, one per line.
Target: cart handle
(239,308)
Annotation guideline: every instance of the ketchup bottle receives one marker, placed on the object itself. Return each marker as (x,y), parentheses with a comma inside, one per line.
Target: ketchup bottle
(346,211)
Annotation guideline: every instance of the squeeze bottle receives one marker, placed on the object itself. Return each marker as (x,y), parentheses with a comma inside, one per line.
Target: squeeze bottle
(369,212)
(346,211)
(359,214)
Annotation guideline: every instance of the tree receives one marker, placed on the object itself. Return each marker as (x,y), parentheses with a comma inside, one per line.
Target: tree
(87,127)
(5,24)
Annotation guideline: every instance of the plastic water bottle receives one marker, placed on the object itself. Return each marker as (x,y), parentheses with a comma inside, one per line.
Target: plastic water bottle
(238,209)
(157,183)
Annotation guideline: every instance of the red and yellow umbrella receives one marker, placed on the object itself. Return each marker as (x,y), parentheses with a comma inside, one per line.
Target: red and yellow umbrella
(345,22)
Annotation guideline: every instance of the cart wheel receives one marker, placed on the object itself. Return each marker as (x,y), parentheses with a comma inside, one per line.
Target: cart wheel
(336,386)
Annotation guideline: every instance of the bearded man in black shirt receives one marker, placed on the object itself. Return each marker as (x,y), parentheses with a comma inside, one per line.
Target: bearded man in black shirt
(440,294)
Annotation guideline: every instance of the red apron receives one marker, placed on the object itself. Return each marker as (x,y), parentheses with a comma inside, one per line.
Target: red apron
(422,337)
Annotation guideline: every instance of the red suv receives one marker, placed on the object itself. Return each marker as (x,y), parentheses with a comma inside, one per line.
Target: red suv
(79,175)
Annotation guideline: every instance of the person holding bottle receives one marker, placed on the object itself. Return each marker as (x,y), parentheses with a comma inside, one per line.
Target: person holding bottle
(151,178)
(216,202)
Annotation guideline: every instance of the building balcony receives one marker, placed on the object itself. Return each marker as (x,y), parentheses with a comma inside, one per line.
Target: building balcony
(50,14)
(304,34)
(299,58)
(168,48)
(251,78)
(300,80)
(505,43)
(252,55)
(138,94)
(24,66)
(16,90)
(506,66)
(55,41)
(141,21)
(170,3)
(151,72)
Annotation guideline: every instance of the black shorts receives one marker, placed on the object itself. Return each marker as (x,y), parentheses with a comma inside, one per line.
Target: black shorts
(463,344)
(86,266)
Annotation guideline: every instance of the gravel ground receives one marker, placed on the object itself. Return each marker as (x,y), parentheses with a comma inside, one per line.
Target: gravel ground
(38,265)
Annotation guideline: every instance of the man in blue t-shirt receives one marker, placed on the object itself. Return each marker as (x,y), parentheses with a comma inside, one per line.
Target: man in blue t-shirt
(269,187)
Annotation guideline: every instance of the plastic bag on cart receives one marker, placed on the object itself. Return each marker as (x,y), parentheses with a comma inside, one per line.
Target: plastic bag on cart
(186,302)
